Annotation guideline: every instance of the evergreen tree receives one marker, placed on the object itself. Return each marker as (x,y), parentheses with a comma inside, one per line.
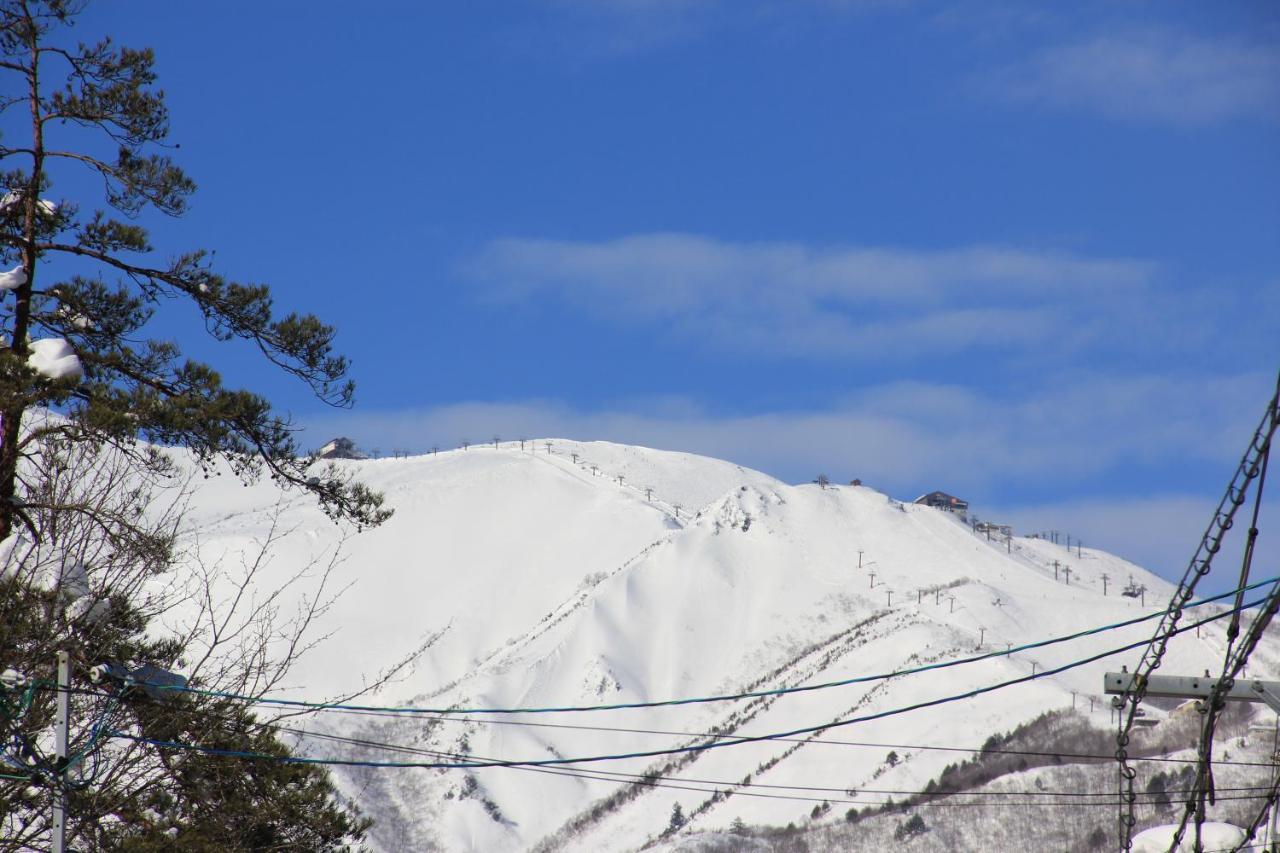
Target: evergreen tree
(84,284)
(98,598)
(914,826)
(218,803)
(80,283)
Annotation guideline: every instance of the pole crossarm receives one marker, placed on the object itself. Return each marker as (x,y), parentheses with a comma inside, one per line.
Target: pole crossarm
(1196,687)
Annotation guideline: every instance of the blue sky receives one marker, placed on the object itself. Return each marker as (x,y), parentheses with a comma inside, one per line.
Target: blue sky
(1022,252)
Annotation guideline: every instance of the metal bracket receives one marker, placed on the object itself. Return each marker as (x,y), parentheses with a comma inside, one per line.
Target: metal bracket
(1192,687)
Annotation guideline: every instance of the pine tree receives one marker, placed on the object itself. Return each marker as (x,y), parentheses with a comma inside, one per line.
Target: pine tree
(80,283)
(135,795)
(216,803)
(77,342)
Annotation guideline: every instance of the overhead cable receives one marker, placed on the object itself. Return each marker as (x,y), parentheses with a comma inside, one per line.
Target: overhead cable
(862,679)
(692,748)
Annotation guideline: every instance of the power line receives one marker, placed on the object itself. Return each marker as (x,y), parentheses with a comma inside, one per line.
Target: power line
(726,788)
(1200,564)
(862,679)
(867,744)
(720,782)
(1231,667)
(704,747)
(984,750)
(1234,659)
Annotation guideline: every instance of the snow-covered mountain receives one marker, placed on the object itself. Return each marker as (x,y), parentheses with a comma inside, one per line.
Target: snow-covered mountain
(569,573)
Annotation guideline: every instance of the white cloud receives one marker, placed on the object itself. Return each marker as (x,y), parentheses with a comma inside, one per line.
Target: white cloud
(793,299)
(1150,76)
(902,438)
(634,7)
(613,27)
(1081,447)
(1159,532)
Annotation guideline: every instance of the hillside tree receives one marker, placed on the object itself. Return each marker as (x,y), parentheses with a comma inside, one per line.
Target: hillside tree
(86,281)
(221,622)
(92,401)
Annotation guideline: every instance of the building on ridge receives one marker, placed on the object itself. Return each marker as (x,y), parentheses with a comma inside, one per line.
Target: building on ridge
(942,500)
(340,448)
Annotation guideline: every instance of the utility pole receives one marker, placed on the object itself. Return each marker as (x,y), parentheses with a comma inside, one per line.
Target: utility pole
(919,595)
(1275,807)
(1105,578)
(859,558)
(889,592)
(1197,687)
(1079,552)
(937,597)
(1055,569)
(982,636)
(873,580)
(953,604)
(61,742)
(648,493)
(1066,570)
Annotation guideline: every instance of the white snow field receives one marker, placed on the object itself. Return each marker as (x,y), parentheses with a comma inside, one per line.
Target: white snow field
(555,585)
(1213,836)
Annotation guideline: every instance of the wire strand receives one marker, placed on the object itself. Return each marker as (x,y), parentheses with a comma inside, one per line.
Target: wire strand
(704,747)
(862,679)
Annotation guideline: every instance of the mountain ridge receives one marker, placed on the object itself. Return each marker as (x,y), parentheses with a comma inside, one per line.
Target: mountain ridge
(562,582)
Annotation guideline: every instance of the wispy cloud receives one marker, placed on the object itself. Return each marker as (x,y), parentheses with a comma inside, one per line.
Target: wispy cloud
(1083,445)
(627,27)
(1158,531)
(900,437)
(797,300)
(1149,76)
(630,26)
(634,7)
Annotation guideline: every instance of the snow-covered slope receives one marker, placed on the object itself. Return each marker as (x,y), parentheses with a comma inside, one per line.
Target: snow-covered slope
(562,581)
(482,545)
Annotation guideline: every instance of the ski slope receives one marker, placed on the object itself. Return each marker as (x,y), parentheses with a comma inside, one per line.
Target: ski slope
(552,580)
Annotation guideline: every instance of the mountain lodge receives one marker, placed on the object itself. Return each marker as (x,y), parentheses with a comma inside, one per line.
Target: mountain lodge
(942,500)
